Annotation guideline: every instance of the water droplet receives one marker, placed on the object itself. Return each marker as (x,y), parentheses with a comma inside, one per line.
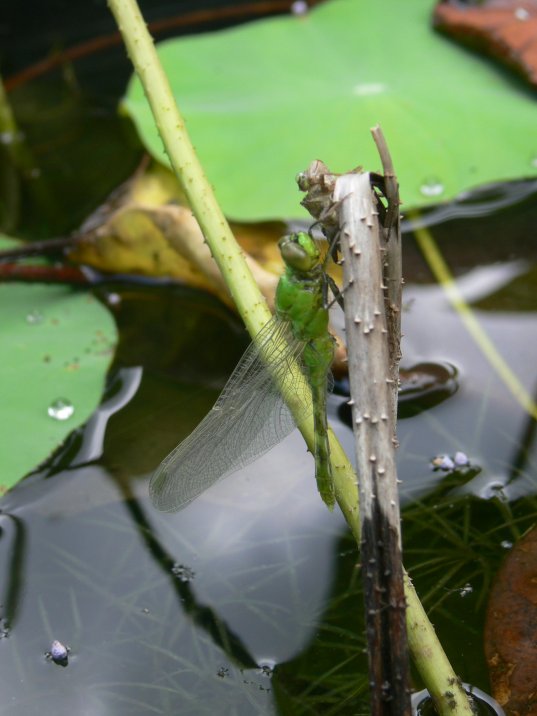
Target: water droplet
(113,299)
(506,544)
(431,186)
(522,14)
(34,318)
(183,573)
(299,7)
(61,409)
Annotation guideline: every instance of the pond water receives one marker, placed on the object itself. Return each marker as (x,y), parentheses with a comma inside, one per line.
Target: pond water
(249,600)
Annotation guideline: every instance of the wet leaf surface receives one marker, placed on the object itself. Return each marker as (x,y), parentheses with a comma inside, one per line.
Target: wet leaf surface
(57,344)
(263,100)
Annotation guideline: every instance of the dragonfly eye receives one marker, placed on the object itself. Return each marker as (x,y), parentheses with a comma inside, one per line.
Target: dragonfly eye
(299,252)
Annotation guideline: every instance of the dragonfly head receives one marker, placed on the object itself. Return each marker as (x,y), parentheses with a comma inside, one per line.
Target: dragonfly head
(299,252)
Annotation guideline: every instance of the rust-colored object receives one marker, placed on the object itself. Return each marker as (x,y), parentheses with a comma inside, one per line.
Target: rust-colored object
(504,29)
(511,630)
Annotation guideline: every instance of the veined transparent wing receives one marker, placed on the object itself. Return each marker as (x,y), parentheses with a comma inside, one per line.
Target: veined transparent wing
(248,419)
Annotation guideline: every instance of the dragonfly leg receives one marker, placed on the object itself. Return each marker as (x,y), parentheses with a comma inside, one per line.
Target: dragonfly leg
(338,295)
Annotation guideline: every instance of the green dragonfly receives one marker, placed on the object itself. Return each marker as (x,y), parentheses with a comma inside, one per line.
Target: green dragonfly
(250,416)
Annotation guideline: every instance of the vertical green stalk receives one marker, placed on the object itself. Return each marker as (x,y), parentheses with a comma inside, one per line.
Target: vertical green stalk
(225,250)
(183,158)
(252,307)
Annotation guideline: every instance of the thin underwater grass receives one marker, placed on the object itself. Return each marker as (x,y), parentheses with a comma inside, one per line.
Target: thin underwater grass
(459,549)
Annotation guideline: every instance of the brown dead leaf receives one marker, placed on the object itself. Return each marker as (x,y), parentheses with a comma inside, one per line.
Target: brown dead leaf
(511,630)
(146,228)
(163,241)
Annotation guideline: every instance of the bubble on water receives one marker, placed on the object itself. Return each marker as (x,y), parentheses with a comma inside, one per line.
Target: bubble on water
(466,590)
(461,459)
(34,318)
(442,462)
(494,489)
(59,653)
(61,409)
(432,186)
(4,628)
(484,704)
(266,667)
(183,573)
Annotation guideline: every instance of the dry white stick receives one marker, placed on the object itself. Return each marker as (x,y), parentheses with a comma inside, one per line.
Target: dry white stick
(372,378)
(369,311)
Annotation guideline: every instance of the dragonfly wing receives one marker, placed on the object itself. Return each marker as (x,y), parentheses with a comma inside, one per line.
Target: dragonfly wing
(248,419)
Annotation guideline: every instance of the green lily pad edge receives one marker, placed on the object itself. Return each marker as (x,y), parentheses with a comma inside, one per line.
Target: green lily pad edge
(56,348)
(262,100)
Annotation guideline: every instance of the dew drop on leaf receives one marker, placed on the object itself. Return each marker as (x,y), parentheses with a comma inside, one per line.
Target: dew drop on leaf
(299,7)
(431,186)
(61,409)
(34,318)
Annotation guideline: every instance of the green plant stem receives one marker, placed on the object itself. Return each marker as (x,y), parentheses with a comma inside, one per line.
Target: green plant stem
(443,684)
(187,167)
(251,304)
(225,250)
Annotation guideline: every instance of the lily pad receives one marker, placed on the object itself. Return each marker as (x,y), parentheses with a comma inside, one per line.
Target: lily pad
(55,350)
(264,99)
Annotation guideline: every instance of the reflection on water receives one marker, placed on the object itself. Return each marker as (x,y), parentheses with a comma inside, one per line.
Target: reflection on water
(247,601)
